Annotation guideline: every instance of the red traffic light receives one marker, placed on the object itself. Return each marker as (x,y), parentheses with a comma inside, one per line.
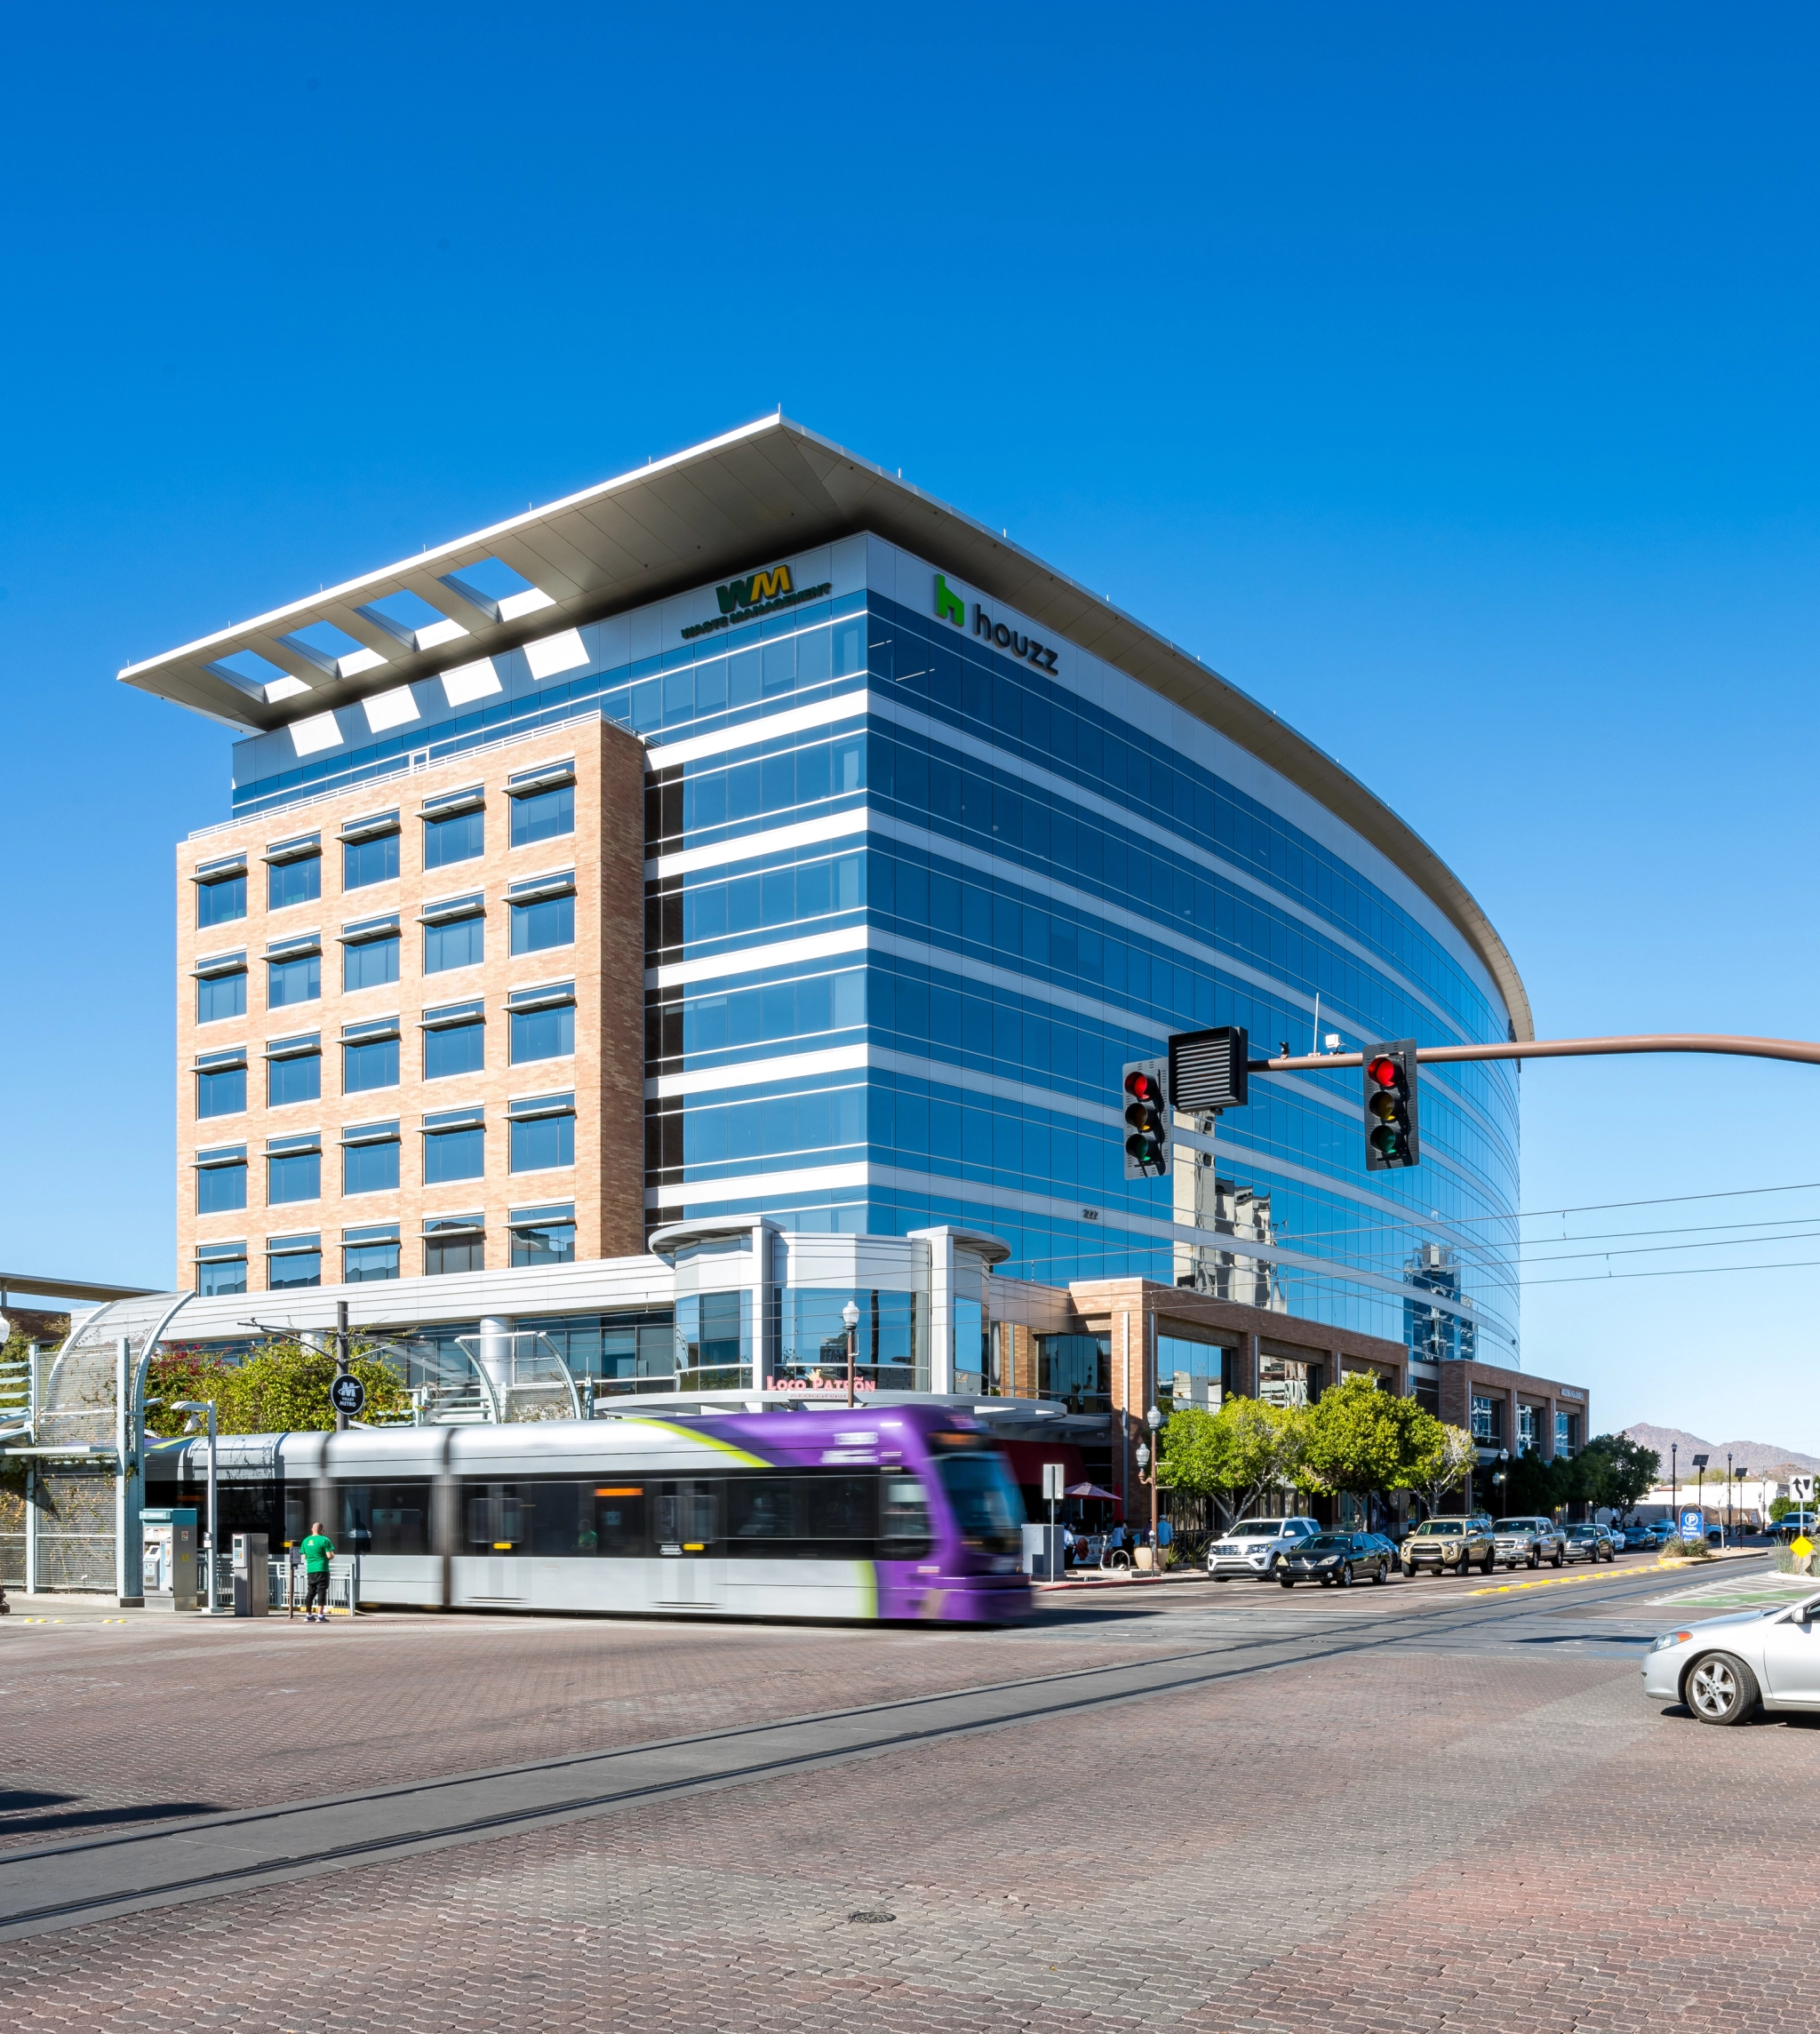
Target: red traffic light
(1384,1070)
(1144,1088)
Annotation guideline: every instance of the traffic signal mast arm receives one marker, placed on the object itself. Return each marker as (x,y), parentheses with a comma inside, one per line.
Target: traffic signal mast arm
(1796,1048)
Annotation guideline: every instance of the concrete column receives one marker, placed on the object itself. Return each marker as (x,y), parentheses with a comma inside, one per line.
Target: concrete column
(495,1354)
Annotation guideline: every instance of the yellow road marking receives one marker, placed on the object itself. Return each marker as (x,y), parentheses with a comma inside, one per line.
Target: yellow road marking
(1591,1574)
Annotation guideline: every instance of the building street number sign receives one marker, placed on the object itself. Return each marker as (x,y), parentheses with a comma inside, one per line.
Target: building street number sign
(348,1395)
(1693,1525)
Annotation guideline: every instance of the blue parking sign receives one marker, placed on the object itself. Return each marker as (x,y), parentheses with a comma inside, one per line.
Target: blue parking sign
(1693,1525)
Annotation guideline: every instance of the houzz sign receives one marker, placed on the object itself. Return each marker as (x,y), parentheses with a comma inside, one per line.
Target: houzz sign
(950,607)
(758,593)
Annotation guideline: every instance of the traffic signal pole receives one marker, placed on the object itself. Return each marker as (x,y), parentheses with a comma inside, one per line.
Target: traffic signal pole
(1799,1049)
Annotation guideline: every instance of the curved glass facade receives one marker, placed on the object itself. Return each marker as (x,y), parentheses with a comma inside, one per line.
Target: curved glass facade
(920,883)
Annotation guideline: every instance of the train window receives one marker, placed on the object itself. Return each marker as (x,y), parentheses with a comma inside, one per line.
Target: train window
(842,1512)
(495,1520)
(761,1512)
(685,1516)
(903,1528)
(556,1521)
(988,1507)
(618,1518)
(386,1518)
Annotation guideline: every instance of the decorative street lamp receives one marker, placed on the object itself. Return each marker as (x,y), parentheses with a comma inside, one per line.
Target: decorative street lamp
(850,1314)
(1153,1419)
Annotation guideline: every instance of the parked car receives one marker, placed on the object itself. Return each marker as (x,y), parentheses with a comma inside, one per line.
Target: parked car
(1724,1668)
(1590,1543)
(1793,1525)
(1255,1545)
(1384,1545)
(1639,1539)
(1529,1541)
(1450,1546)
(1329,1557)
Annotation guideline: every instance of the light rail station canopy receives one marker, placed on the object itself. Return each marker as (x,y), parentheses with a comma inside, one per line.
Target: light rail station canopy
(768,489)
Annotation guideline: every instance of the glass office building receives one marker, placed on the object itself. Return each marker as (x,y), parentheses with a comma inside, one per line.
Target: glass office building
(936,843)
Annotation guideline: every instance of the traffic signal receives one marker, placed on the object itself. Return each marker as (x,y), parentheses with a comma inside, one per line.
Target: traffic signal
(1145,1099)
(1392,1131)
(1208,1070)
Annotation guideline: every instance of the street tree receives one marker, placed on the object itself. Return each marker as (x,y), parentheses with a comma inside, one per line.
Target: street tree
(1361,1439)
(1626,1471)
(1445,1454)
(1234,1456)
(281,1387)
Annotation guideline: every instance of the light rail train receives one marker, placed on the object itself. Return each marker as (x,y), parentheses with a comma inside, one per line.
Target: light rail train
(876,1512)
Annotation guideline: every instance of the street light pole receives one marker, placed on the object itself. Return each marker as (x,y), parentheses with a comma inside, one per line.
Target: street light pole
(207,1405)
(1153,1419)
(341,1356)
(1727,1497)
(850,1314)
(1700,1462)
(1674,1487)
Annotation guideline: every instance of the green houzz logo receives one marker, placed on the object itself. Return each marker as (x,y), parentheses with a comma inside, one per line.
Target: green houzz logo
(758,593)
(951,608)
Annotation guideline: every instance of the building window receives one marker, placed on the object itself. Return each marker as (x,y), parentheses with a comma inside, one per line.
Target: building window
(1525,1427)
(298,981)
(543,1134)
(221,902)
(293,1077)
(1488,1419)
(371,1065)
(460,943)
(293,1176)
(546,923)
(370,1159)
(455,1243)
(1566,1434)
(543,815)
(1195,1374)
(454,1146)
(222,1092)
(1288,1380)
(459,839)
(367,862)
(220,1181)
(218,996)
(370,963)
(293,882)
(370,1253)
(543,1235)
(543,1035)
(221,1270)
(1077,1370)
(293,1261)
(454,1048)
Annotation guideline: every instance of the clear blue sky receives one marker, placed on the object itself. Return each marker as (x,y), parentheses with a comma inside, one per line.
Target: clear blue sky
(1443,376)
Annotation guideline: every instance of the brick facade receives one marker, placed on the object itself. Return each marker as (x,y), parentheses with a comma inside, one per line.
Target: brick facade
(606,852)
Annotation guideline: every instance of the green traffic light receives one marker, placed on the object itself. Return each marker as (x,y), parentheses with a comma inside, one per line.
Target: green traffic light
(1387,1141)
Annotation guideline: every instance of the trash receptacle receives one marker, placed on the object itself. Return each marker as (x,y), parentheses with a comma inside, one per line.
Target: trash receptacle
(251,1580)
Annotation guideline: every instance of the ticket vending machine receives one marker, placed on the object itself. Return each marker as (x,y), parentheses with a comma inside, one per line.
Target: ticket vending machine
(251,1576)
(168,1537)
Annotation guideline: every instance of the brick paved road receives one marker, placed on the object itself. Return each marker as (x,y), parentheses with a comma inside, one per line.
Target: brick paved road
(1462,1829)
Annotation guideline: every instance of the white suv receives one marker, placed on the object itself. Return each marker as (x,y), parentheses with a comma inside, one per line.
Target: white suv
(1255,1545)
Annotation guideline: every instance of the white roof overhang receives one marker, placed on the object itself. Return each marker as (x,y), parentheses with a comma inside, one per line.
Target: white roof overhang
(766,489)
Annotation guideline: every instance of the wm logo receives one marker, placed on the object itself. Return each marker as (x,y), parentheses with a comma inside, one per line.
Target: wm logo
(747,593)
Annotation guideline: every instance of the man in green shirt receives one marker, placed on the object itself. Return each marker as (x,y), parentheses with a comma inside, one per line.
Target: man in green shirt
(317,1548)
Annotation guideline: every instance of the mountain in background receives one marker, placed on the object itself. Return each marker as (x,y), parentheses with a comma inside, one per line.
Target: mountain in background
(1759,1456)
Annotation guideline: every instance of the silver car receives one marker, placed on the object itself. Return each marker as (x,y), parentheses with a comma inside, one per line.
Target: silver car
(1254,1546)
(1724,1668)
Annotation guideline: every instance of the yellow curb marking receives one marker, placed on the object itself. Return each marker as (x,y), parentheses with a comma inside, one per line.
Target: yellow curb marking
(1561,1580)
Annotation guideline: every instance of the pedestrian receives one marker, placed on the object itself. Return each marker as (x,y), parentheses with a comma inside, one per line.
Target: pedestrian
(316,1549)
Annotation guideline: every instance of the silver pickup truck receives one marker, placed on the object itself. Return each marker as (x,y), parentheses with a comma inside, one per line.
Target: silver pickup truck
(1528,1542)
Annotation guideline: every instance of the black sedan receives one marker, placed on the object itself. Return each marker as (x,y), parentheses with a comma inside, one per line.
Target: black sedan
(1330,1557)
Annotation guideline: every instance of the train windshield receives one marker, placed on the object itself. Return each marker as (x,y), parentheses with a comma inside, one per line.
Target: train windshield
(988,1507)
